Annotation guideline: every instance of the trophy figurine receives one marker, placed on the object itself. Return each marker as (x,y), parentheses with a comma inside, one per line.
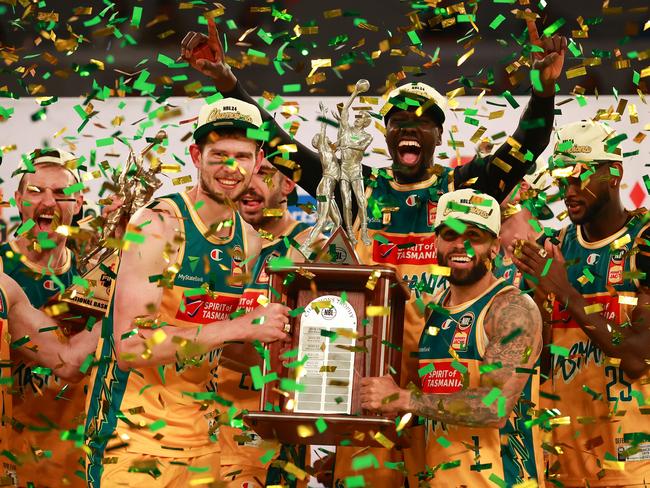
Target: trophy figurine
(351,320)
(134,187)
(352,141)
(326,208)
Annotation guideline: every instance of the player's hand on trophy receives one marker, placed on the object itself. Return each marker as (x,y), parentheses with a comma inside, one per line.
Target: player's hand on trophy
(384,395)
(205,54)
(267,324)
(550,60)
(113,205)
(324,469)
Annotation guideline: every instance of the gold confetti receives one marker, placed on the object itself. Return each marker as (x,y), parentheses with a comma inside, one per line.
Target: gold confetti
(614,465)
(433,331)
(620,242)
(377,311)
(403,422)
(181,180)
(628,300)
(575,72)
(305,431)
(383,440)
(295,470)
(272,212)
(438,270)
(593,308)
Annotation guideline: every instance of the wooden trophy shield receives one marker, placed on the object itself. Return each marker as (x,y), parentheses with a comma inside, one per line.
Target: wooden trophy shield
(350,327)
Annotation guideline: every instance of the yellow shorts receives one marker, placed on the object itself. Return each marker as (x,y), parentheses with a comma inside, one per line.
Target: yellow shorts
(164,472)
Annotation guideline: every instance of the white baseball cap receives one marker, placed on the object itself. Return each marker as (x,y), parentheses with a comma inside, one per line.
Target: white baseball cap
(585,140)
(227,113)
(51,155)
(470,207)
(421,93)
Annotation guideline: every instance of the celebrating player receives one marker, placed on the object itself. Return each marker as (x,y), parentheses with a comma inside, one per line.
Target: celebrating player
(477,356)
(594,274)
(151,410)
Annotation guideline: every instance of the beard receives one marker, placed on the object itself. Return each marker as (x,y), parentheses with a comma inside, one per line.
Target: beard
(219,196)
(466,277)
(591,210)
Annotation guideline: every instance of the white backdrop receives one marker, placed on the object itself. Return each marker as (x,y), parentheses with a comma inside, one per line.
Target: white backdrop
(134,117)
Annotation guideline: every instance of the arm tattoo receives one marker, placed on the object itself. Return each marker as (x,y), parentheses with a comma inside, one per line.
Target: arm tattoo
(514,327)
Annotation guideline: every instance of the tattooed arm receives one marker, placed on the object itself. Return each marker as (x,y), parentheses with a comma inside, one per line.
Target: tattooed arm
(514,328)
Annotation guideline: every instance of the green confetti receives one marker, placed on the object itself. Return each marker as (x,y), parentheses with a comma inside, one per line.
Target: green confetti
(267,456)
(458,366)
(279,263)
(491,397)
(501,406)
(73,188)
(547,267)
(384,240)
(414,38)
(511,100)
(25,227)
(497,481)
(42,370)
(258,134)
(106,141)
(536,80)
(137,15)
(86,364)
(292,88)
(157,425)
(498,20)
(559,350)
(424,370)
(455,225)
(365,462)
(488,368)
(288,384)
(134,237)
(444,442)
(321,425)
(550,30)
(355,481)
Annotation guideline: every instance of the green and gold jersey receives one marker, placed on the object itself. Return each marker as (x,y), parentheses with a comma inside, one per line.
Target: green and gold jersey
(452,358)
(168,410)
(239,449)
(44,405)
(506,269)
(606,435)
(400,222)
(8,468)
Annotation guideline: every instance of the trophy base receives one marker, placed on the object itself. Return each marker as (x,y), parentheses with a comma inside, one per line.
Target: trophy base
(349,430)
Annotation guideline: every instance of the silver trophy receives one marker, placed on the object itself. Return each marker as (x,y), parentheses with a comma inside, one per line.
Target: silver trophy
(352,141)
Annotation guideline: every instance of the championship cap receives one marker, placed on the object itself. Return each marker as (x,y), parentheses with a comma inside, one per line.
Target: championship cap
(50,155)
(227,113)
(585,141)
(470,207)
(415,95)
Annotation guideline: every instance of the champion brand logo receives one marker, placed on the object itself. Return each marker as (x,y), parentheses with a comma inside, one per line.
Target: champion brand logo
(593,258)
(48,285)
(412,200)
(216,255)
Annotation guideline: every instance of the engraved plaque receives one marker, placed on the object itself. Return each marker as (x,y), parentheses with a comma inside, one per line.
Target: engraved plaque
(327,330)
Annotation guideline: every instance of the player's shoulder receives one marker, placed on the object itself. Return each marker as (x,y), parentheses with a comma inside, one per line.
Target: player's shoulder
(510,298)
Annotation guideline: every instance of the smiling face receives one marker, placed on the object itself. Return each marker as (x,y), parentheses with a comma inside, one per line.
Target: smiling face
(226,165)
(585,200)
(466,270)
(412,142)
(40,197)
(268,189)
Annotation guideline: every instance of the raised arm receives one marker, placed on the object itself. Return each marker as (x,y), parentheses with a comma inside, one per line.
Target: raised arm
(135,317)
(514,329)
(500,173)
(46,346)
(205,54)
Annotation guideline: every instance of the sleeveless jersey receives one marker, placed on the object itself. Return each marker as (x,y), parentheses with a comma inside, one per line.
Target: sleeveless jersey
(7,468)
(44,405)
(170,401)
(511,453)
(400,222)
(238,448)
(607,436)
(506,269)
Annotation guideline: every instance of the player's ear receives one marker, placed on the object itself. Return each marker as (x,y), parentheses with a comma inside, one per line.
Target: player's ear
(287,185)
(615,181)
(258,161)
(195,153)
